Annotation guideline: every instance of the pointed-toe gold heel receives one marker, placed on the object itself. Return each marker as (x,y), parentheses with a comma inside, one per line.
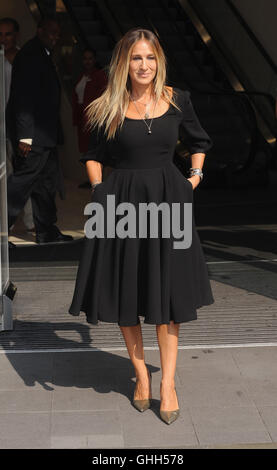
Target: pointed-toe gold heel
(170,416)
(143,405)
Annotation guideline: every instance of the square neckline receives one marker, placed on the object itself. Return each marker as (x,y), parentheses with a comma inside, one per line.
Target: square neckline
(157,117)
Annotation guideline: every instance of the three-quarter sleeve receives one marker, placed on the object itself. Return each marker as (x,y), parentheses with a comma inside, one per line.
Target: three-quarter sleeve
(196,138)
(97,148)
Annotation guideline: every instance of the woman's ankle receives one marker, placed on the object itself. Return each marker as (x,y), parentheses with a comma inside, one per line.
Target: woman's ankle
(141,373)
(167,383)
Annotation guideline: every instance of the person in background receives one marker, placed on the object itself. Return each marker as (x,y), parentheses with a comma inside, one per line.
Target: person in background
(33,119)
(89,86)
(9,31)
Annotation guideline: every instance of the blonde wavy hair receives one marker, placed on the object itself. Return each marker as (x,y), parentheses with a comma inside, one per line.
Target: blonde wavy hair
(110,108)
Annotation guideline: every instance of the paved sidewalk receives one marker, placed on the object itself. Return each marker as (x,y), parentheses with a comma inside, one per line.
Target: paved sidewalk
(227,396)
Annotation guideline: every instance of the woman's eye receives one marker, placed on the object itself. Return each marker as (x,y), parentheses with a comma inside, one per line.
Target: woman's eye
(139,58)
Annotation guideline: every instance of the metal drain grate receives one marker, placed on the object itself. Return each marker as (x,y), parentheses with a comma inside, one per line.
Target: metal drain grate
(244,312)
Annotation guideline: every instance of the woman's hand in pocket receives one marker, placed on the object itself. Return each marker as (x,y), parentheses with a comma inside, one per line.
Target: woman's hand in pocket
(194,181)
(94,185)
(94,188)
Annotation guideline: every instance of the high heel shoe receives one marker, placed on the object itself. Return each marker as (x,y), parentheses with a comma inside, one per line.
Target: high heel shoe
(143,405)
(170,416)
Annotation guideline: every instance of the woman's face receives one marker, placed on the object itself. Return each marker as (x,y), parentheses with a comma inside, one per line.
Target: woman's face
(143,64)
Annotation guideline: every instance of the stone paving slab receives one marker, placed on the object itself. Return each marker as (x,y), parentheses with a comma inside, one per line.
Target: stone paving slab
(147,430)
(81,400)
(87,399)
(25,430)
(26,400)
(269,417)
(256,362)
(83,426)
(229,425)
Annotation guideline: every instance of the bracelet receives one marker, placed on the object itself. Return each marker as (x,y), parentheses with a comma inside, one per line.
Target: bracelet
(196,171)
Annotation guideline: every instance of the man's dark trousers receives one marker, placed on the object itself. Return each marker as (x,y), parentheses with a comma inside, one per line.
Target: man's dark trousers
(35,176)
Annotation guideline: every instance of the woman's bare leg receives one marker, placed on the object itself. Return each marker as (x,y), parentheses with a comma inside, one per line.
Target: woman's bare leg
(134,342)
(168,343)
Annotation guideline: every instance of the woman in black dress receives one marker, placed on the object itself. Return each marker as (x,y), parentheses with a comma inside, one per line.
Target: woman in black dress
(135,127)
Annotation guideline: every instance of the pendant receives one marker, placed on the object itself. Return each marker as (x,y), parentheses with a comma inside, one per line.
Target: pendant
(149,131)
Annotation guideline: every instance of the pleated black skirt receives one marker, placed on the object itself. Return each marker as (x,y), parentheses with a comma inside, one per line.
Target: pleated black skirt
(122,279)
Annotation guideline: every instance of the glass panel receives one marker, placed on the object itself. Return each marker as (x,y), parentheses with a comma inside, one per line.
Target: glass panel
(4,264)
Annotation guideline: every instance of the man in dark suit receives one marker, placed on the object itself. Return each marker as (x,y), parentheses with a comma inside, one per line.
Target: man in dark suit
(33,123)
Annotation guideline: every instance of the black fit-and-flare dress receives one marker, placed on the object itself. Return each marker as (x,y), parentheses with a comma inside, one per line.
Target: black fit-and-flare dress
(120,279)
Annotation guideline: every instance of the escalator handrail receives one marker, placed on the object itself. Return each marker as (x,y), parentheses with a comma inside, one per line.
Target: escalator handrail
(215,41)
(181,33)
(219,90)
(212,83)
(77,28)
(251,34)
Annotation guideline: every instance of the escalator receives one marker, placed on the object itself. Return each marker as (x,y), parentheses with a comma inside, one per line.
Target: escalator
(241,153)
(88,15)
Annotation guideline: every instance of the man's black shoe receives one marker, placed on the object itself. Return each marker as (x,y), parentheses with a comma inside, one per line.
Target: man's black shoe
(53,236)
